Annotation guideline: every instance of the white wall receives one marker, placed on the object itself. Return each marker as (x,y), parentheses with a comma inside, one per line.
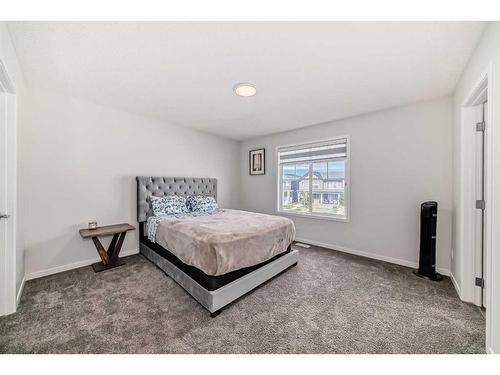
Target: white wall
(487,52)
(9,58)
(79,163)
(399,159)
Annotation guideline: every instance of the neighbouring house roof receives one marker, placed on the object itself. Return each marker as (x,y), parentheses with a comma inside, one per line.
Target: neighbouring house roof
(333,176)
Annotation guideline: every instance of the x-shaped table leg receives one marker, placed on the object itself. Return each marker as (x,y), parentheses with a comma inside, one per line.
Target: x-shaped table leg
(109,257)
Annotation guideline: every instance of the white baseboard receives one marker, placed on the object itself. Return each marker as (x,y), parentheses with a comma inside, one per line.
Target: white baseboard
(20,292)
(67,267)
(455,284)
(401,262)
(443,271)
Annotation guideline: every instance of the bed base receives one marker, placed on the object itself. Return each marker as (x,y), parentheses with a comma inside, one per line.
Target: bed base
(215,300)
(216,313)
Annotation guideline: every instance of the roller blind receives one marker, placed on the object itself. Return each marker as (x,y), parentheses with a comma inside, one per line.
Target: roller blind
(316,151)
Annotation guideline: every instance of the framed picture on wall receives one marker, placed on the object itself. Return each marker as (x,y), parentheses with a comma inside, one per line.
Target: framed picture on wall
(257,161)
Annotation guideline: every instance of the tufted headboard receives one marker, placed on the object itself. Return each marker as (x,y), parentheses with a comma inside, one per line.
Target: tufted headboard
(160,186)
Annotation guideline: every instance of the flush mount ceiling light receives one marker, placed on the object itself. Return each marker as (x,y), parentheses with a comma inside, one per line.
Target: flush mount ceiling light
(244,89)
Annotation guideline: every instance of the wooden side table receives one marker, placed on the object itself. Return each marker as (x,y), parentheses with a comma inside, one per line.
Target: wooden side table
(110,257)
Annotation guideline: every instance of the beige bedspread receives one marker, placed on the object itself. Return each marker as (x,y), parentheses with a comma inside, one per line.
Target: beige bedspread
(226,241)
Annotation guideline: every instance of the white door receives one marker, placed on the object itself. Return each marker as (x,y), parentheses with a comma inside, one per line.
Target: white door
(3,203)
(7,203)
(483,248)
(479,257)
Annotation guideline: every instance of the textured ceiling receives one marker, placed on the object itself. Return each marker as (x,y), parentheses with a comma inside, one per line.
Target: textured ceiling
(305,72)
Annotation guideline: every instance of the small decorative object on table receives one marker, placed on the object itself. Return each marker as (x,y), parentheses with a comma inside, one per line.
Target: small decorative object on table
(92,224)
(257,161)
(110,257)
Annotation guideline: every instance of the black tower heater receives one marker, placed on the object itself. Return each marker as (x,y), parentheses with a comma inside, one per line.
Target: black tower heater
(428,226)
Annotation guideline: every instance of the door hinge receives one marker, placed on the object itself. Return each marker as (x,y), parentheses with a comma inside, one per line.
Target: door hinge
(480,282)
(480,126)
(480,204)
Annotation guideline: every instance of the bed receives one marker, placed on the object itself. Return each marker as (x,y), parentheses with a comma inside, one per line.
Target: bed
(219,257)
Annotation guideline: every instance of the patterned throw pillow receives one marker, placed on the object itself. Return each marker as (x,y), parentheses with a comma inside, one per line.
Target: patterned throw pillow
(199,203)
(169,205)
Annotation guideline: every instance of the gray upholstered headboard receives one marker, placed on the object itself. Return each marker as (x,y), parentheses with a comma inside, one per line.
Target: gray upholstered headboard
(160,186)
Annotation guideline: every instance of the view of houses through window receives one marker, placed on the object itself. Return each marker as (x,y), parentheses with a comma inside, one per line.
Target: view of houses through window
(313,179)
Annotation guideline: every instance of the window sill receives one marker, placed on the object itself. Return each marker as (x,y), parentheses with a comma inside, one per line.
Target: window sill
(314,216)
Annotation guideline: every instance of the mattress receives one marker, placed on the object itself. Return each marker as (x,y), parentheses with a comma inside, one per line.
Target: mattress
(226,241)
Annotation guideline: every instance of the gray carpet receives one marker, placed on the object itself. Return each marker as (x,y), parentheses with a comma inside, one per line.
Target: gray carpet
(330,303)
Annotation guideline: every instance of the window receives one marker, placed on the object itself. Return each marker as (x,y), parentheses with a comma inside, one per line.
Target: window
(313,179)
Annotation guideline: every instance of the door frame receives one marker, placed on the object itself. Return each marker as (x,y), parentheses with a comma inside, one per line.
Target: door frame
(8,261)
(468,265)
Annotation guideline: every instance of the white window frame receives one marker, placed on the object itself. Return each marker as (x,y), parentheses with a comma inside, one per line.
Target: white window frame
(278,202)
